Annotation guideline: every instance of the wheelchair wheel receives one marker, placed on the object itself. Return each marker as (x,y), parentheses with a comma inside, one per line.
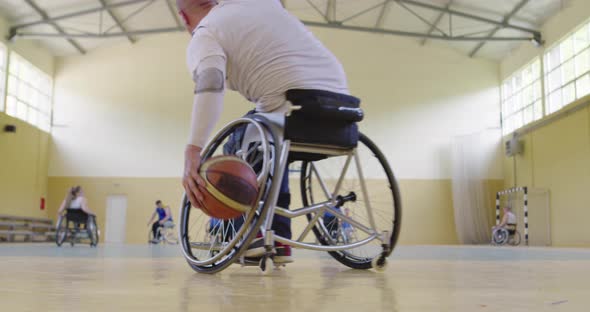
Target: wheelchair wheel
(500,236)
(211,249)
(61,231)
(169,236)
(515,239)
(367,182)
(92,232)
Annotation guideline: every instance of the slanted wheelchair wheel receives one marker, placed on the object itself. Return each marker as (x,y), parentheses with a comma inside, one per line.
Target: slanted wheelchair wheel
(61,231)
(92,232)
(170,237)
(366,181)
(515,239)
(210,249)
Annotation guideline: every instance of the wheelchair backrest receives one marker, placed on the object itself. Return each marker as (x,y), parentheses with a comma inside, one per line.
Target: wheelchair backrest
(76,215)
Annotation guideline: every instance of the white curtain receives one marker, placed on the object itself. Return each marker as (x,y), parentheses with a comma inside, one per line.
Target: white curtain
(474,158)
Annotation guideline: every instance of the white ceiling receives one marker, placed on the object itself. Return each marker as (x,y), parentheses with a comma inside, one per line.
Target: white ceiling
(156,14)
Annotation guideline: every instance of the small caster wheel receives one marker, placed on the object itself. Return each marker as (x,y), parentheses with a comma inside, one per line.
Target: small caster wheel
(379,263)
(266,265)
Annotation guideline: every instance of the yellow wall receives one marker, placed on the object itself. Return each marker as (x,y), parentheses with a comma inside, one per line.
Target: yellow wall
(131,104)
(427,214)
(557,157)
(23,173)
(124,110)
(141,194)
(24,154)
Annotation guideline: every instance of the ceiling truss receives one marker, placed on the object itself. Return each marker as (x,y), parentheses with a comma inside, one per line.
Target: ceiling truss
(327,14)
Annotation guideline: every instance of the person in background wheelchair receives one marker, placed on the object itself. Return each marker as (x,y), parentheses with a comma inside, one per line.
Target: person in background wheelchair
(74,209)
(164,220)
(506,230)
(262,59)
(75,203)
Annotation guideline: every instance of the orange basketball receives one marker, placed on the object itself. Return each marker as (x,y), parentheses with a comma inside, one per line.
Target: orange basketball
(231,187)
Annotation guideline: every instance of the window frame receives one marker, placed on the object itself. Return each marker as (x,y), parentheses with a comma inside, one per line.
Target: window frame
(508,113)
(550,71)
(37,98)
(3,76)
(579,58)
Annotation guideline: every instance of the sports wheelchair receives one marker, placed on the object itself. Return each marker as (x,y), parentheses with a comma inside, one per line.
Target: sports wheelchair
(166,234)
(340,168)
(75,225)
(509,235)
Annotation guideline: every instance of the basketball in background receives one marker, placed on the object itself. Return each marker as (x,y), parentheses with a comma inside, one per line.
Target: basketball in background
(231,187)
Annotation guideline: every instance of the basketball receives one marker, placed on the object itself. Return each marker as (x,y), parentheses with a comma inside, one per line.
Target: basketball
(231,187)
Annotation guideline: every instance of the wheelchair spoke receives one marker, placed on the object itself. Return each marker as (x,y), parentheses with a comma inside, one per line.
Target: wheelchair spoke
(321,182)
(342,175)
(365,202)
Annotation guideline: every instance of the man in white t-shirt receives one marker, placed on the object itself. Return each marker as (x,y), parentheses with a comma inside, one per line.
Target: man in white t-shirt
(254,47)
(508,220)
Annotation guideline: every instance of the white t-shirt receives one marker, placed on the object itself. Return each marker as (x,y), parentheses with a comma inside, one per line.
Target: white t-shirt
(268,51)
(511,218)
(76,203)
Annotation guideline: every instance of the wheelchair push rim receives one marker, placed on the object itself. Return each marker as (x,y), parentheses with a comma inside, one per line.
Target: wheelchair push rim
(515,239)
(217,250)
(92,231)
(61,231)
(500,237)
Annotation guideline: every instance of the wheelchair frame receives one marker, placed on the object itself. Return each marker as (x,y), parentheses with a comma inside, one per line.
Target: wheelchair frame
(320,208)
(509,239)
(164,232)
(74,233)
(262,125)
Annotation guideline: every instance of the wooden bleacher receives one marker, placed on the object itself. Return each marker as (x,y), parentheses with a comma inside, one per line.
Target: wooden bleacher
(26,229)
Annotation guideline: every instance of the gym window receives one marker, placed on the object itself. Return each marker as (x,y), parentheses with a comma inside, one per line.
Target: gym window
(2,75)
(522,97)
(567,70)
(29,93)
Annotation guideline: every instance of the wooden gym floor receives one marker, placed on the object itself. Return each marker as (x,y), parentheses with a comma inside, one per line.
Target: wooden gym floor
(426,278)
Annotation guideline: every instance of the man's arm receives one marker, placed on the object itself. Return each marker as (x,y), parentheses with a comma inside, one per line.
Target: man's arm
(168,215)
(209,80)
(504,221)
(62,207)
(207,62)
(152,218)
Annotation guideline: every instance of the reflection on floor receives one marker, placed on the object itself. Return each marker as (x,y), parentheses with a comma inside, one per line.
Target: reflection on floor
(424,278)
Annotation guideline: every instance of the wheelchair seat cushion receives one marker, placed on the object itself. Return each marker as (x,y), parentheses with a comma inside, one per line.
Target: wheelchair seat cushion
(323,118)
(325,105)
